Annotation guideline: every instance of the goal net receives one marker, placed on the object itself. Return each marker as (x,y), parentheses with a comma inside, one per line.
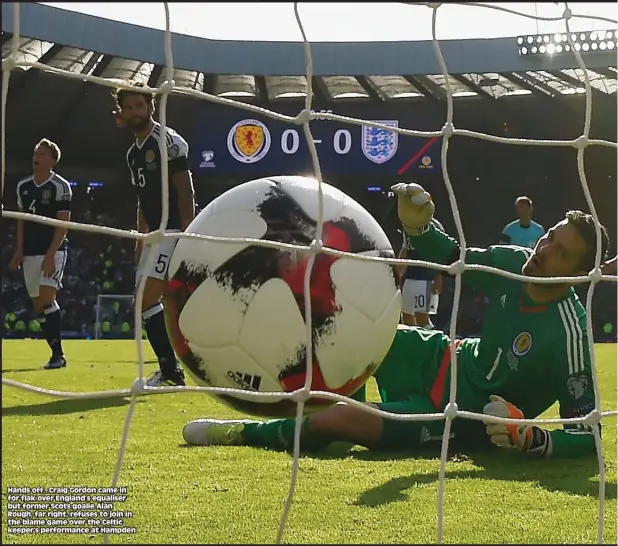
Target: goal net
(304,117)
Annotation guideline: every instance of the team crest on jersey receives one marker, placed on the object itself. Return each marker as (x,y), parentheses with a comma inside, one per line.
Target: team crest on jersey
(150,156)
(380,145)
(522,344)
(248,141)
(45,196)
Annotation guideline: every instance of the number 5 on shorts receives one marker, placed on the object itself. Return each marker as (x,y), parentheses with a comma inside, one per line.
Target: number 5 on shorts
(161,263)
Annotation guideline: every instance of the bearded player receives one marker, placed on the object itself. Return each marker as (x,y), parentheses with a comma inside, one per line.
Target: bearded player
(41,251)
(135,110)
(533,351)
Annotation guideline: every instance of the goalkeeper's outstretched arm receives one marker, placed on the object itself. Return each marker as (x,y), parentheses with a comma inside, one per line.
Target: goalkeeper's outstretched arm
(575,395)
(570,365)
(415,210)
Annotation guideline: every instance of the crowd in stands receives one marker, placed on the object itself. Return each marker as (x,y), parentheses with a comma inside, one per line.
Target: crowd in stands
(103,264)
(96,265)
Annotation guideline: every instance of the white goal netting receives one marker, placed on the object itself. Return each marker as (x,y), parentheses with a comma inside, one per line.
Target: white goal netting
(300,396)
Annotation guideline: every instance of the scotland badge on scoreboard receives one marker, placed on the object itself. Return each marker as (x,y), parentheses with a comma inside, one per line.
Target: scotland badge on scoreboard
(380,145)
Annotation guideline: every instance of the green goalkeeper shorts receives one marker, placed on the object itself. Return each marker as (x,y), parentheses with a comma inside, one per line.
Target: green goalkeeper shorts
(412,363)
(413,379)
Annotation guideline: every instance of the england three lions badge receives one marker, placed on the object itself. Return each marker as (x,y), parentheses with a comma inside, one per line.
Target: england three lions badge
(380,145)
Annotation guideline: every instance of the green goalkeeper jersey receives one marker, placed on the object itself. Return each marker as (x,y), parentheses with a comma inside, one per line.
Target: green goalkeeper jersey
(532,355)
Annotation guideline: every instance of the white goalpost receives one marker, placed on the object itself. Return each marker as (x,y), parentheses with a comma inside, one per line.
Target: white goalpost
(105,309)
(304,117)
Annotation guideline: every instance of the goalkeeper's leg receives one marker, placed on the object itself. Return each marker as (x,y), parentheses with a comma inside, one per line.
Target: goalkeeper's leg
(342,422)
(402,378)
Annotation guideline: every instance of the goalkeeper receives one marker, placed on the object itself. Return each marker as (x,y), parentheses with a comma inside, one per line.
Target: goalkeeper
(533,351)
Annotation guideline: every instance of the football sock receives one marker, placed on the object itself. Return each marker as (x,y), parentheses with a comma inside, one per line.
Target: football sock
(279,434)
(154,323)
(52,326)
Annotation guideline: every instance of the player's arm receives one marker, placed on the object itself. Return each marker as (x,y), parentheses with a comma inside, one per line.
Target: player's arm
(576,393)
(63,212)
(19,243)
(438,280)
(505,238)
(180,177)
(415,210)
(570,364)
(59,233)
(576,400)
(142,227)
(403,254)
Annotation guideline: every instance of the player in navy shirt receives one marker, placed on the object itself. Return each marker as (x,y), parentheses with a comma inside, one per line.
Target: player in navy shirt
(135,109)
(524,231)
(420,287)
(41,251)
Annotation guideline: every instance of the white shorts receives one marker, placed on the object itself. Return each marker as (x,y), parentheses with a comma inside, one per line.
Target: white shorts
(34,276)
(164,251)
(417,297)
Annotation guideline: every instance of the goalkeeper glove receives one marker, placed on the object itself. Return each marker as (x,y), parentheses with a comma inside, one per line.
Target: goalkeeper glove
(529,439)
(414,207)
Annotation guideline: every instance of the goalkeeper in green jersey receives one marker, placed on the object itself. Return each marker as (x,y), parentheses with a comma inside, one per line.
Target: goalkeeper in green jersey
(532,352)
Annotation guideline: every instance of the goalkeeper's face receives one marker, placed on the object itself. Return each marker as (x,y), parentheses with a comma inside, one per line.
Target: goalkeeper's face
(135,111)
(557,254)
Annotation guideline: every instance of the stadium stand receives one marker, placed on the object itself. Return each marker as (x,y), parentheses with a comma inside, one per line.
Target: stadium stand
(497,101)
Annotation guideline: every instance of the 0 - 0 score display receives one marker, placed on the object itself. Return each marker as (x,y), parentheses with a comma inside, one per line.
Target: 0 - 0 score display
(227,143)
(342,139)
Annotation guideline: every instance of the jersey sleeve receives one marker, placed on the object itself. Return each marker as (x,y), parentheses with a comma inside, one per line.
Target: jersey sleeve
(178,154)
(437,224)
(405,244)
(436,246)
(64,194)
(505,236)
(575,386)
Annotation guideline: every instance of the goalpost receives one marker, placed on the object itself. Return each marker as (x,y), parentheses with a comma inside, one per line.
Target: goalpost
(105,310)
(139,388)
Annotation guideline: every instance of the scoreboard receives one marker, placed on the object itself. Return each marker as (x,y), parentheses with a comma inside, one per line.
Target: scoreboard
(231,141)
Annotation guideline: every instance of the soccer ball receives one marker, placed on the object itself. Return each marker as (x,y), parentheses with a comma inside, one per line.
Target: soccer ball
(236,312)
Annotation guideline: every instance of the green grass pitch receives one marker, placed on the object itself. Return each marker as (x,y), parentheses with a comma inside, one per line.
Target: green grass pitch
(236,495)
